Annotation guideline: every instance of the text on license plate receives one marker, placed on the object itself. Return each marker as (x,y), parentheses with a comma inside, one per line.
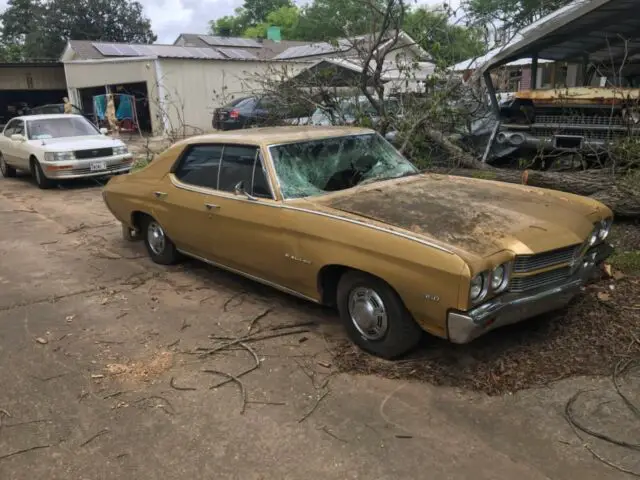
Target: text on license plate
(96,166)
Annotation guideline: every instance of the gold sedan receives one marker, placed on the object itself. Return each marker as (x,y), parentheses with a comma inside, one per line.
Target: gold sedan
(337,216)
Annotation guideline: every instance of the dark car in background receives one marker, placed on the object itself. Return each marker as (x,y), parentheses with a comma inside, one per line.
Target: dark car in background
(255,111)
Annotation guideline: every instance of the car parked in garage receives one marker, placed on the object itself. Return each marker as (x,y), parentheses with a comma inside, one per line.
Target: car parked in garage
(60,147)
(338,216)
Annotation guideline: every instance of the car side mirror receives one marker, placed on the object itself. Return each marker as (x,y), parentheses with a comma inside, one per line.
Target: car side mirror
(239,189)
(104,131)
(16,137)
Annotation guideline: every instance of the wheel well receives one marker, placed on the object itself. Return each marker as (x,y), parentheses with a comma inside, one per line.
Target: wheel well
(32,158)
(137,218)
(328,278)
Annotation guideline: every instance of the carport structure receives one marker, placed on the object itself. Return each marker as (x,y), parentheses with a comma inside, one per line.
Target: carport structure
(602,35)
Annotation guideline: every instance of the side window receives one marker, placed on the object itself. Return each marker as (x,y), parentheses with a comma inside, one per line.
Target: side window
(19,128)
(10,128)
(242,164)
(200,166)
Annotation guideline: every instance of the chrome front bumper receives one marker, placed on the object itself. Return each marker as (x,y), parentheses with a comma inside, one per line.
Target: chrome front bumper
(510,308)
(82,168)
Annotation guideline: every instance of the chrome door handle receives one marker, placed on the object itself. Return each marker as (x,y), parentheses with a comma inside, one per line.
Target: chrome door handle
(211,206)
(160,194)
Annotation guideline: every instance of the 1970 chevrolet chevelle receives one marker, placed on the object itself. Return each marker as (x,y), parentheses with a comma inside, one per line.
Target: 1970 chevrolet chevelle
(339,217)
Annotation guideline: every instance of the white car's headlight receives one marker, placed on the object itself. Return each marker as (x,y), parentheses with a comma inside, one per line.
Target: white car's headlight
(59,156)
(499,278)
(478,288)
(604,227)
(120,150)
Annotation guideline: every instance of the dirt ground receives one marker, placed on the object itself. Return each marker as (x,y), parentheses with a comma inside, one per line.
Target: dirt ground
(107,363)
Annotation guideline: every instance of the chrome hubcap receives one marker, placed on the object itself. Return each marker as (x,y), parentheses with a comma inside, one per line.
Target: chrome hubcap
(156,238)
(368,313)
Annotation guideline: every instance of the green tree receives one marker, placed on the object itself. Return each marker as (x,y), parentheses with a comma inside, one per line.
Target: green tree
(230,25)
(331,19)
(287,18)
(446,43)
(256,11)
(41,28)
(510,14)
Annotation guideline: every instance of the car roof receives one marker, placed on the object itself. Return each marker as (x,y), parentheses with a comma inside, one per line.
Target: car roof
(276,135)
(46,116)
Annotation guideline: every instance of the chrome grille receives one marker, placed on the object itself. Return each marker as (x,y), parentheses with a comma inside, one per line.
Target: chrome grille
(522,284)
(529,263)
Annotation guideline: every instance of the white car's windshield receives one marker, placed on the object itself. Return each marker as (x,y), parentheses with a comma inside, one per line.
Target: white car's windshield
(319,166)
(60,127)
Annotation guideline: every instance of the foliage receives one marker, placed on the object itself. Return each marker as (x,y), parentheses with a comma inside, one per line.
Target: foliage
(39,29)
(511,15)
(256,11)
(287,18)
(446,43)
(230,25)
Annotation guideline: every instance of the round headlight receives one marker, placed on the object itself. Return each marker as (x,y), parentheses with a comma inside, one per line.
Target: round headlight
(605,228)
(497,277)
(477,287)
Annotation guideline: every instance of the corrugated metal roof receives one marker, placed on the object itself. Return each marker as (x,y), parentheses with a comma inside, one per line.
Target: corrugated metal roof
(604,31)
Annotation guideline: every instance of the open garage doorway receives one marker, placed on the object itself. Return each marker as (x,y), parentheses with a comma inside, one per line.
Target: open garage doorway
(14,103)
(138,91)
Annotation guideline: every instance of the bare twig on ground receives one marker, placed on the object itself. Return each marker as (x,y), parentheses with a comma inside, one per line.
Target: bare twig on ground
(232,378)
(232,298)
(173,385)
(328,432)
(28,422)
(97,435)
(258,318)
(259,402)
(314,408)
(173,344)
(20,452)
(184,325)
(254,337)
(158,397)
(255,366)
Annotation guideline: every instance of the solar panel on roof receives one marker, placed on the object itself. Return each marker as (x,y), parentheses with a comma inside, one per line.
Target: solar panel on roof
(126,50)
(229,41)
(142,50)
(237,54)
(108,50)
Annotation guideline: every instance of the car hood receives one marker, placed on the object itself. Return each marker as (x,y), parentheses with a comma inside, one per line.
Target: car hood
(77,143)
(472,217)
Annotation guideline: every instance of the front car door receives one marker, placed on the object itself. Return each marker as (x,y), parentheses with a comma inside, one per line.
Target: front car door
(21,152)
(11,148)
(183,203)
(249,221)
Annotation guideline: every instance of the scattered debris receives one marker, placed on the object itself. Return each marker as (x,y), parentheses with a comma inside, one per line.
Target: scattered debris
(70,318)
(97,376)
(258,318)
(238,296)
(184,325)
(42,340)
(328,432)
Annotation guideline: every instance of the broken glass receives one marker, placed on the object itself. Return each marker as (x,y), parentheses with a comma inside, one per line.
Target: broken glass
(315,167)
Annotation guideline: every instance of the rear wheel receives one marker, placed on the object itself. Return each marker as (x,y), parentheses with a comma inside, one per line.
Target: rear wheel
(375,317)
(7,170)
(160,247)
(41,180)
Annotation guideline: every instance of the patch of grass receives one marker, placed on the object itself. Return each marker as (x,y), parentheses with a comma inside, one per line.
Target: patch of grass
(139,164)
(626,262)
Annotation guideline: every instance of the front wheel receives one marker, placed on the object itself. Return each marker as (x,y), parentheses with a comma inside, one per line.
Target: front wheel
(41,180)
(7,170)
(375,317)
(160,247)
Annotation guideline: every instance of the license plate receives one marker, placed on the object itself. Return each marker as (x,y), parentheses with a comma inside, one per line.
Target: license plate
(97,166)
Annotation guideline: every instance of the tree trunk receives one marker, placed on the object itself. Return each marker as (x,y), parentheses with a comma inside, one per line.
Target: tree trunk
(600,185)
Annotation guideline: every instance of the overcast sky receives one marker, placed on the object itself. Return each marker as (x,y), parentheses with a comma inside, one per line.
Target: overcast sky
(169,18)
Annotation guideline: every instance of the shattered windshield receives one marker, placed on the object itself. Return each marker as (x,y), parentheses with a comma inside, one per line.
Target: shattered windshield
(316,167)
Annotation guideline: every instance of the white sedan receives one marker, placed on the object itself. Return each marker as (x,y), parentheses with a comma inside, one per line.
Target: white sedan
(58,147)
